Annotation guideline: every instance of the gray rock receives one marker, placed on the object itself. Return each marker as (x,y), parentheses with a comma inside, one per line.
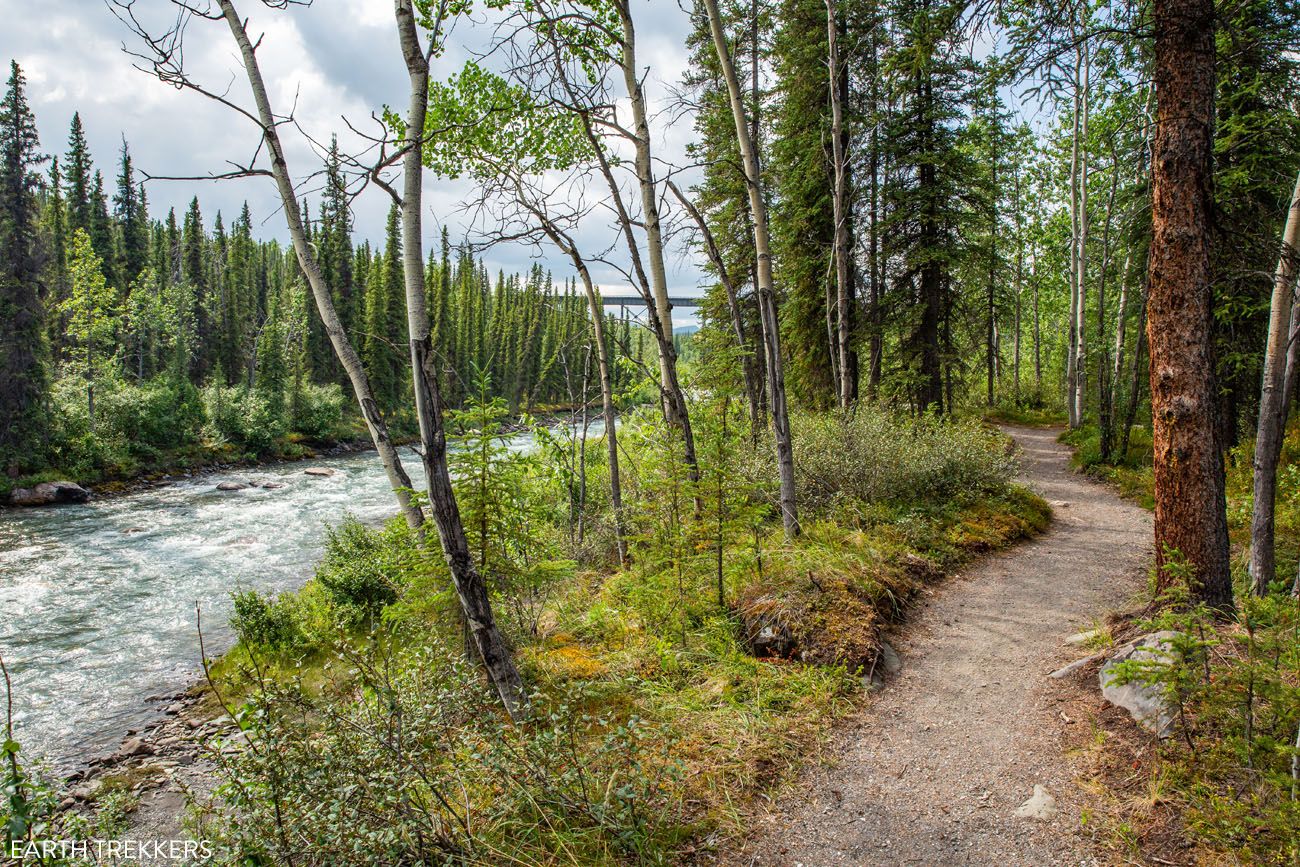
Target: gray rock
(322,472)
(271,486)
(766,630)
(1148,704)
(136,747)
(49,493)
(888,660)
(1083,637)
(231,486)
(1041,806)
(1067,670)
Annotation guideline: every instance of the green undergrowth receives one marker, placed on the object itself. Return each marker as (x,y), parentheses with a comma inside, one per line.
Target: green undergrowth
(656,719)
(1224,785)
(1027,415)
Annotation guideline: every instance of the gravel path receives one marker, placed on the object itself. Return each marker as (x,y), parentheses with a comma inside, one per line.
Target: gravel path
(934,769)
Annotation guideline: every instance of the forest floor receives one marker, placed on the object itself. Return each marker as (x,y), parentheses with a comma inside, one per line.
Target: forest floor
(933,769)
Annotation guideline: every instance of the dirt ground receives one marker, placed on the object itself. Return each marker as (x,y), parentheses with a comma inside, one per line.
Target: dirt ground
(933,770)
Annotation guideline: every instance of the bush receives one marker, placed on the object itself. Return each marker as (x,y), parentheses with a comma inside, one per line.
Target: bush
(362,568)
(262,622)
(420,767)
(317,411)
(241,416)
(874,456)
(134,423)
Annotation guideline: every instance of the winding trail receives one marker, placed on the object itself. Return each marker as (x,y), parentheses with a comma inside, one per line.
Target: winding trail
(932,771)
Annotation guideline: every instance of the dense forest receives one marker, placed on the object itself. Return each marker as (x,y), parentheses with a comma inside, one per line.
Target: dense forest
(915,220)
(147,341)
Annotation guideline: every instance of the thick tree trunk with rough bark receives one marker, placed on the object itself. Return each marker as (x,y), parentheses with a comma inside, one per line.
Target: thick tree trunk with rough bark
(1272,408)
(347,355)
(764,287)
(1189,497)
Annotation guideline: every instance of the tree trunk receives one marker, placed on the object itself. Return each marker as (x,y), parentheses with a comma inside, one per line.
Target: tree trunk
(566,244)
(1106,385)
(1190,513)
(471,588)
(1072,351)
(765,289)
(675,399)
(846,303)
(753,383)
(1272,409)
(1123,304)
(1081,281)
(269,121)
(1135,376)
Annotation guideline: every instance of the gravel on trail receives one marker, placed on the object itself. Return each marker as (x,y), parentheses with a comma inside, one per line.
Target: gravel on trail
(935,767)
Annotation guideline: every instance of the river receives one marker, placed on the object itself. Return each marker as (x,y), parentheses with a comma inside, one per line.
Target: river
(97,600)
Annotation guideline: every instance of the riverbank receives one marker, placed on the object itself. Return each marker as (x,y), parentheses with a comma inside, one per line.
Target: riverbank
(713,726)
(210,461)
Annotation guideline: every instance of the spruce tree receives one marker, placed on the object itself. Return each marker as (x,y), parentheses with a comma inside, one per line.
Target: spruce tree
(23,374)
(132,221)
(77,176)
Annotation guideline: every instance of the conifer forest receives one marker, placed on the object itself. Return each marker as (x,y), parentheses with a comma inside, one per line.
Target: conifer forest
(634,432)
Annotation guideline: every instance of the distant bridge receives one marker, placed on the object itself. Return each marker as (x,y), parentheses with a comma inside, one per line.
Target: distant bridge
(638,301)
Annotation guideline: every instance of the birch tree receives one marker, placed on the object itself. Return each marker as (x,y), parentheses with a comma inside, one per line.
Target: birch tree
(765,289)
(1272,404)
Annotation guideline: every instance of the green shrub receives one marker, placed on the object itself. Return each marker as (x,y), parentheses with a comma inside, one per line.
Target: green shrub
(241,416)
(362,569)
(1234,687)
(317,411)
(262,622)
(874,456)
(420,767)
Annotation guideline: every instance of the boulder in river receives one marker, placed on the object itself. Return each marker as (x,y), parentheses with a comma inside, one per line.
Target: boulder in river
(231,486)
(271,486)
(322,472)
(49,493)
(1148,703)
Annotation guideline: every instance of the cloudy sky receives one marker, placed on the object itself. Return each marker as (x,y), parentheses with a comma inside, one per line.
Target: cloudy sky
(338,59)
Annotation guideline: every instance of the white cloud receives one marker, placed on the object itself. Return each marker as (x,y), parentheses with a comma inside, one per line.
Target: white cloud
(335,59)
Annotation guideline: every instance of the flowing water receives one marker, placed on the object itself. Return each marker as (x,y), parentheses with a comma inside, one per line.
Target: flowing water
(97,601)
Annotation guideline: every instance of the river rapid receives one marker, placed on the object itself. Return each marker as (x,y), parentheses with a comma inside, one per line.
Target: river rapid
(97,601)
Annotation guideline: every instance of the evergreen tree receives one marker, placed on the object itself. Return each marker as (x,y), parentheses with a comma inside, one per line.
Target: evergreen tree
(101,231)
(132,221)
(802,221)
(23,374)
(77,175)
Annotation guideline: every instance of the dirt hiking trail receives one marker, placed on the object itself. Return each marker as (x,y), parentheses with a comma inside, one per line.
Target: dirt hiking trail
(933,769)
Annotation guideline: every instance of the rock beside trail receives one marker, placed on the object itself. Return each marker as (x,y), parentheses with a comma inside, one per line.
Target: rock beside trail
(1148,704)
(1041,806)
(48,494)
(321,472)
(766,630)
(888,660)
